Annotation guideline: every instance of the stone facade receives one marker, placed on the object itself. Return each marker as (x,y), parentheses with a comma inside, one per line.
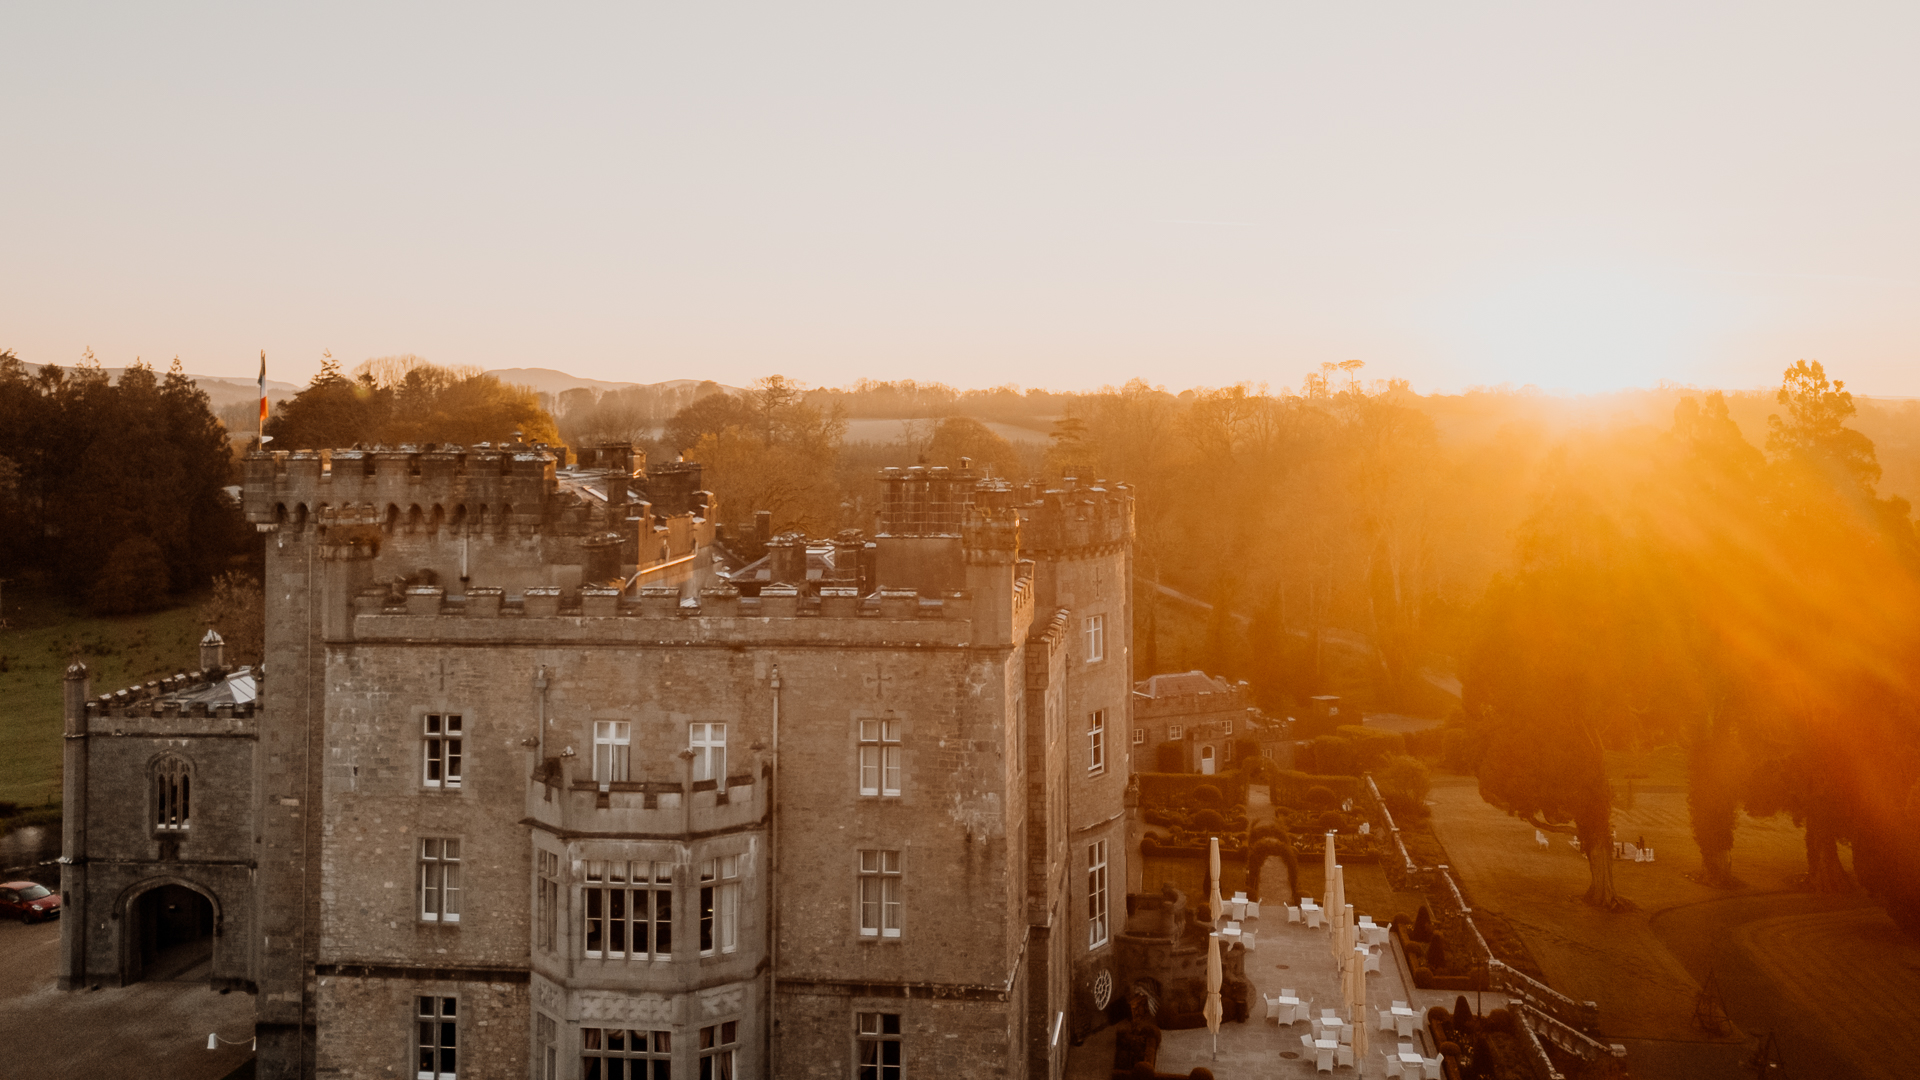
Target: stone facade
(1190,722)
(528,757)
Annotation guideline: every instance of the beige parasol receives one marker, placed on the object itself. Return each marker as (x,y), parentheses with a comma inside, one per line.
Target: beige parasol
(1357,961)
(1213,867)
(1213,1011)
(1328,898)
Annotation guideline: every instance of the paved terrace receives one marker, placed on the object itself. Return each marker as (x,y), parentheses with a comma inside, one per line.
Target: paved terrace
(1287,955)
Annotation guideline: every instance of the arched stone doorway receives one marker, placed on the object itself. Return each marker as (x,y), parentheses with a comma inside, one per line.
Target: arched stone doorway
(170,935)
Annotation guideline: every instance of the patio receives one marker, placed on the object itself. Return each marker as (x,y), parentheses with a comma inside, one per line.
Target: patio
(1289,955)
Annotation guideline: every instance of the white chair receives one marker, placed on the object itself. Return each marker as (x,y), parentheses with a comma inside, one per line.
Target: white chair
(1253,909)
(1330,1014)
(1346,1037)
(1540,839)
(1324,1062)
(1393,1064)
(1345,1056)
(1233,925)
(1373,960)
(1386,1019)
(1273,1007)
(1293,913)
(1432,1067)
(1246,938)
(1307,1041)
(1313,918)
(1649,854)
(1241,896)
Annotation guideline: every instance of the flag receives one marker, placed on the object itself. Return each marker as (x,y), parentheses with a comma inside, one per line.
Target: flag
(263,388)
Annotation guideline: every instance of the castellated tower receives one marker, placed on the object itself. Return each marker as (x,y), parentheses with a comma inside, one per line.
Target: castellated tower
(544,789)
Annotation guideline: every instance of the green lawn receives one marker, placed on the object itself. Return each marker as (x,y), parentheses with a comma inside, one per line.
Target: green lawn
(43,634)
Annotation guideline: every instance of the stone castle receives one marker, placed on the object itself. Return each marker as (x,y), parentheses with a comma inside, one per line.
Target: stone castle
(536,780)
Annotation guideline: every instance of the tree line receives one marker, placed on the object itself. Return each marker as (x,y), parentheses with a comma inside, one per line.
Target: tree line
(113,489)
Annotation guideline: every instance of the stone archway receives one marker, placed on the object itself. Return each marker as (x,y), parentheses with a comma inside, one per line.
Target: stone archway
(169,933)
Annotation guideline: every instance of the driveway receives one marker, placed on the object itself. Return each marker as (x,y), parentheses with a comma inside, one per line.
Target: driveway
(149,1029)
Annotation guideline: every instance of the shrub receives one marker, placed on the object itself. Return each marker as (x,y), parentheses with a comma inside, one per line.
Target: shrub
(1330,822)
(1320,797)
(1482,1063)
(1423,924)
(1449,1049)
(1270,830)
(1371,748)
(1462,1013)
(1333,755)
(1437,953)
(1405,778)
(1209,821)
(1208,796)
(1404,809)
(1499,1020)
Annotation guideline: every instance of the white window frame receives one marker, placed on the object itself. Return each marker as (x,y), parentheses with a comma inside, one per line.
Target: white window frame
(874,1032)
(720,905)
(548,886)
(612,751)
(878,899)
(880,753)
(1229,724)
(600,1043)
(1098,910)
(1095,627)
(1175,732)
(1096,742)
(709,745)
(436,1037)
(1139,736)
(717,1044)
(439,895)
(442,744)
(642,892)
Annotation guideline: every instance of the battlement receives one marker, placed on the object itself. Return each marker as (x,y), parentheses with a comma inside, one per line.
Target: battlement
(512,483)
(1072,519)
(218,697)
(724,601)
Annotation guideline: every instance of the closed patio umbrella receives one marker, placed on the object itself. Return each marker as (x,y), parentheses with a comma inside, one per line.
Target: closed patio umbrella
(1213,1011)
(1359,1005)
(1329,875)
(1213,867)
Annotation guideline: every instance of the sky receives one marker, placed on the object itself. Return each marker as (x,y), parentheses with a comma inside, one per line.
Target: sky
(1580,197)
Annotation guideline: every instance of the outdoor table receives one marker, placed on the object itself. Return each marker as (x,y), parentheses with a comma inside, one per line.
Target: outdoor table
(1292,1005)
(1403,1022)
(1411,1057)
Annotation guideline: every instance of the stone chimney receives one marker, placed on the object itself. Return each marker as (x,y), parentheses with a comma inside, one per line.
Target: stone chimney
(787,560)
(213,651)
(75,696)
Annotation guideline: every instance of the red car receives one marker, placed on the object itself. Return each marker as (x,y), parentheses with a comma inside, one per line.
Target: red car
(29,901)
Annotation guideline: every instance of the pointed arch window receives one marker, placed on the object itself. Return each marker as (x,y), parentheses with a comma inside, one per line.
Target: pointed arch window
(172,794)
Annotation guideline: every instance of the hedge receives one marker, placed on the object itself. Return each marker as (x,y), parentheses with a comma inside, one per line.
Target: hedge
(1176,789)
(1289,788)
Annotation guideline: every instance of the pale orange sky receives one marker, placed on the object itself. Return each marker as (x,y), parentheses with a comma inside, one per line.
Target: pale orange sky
(1580,197)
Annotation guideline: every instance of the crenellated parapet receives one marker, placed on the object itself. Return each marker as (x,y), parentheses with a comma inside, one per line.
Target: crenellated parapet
(1077,521)
(479,488)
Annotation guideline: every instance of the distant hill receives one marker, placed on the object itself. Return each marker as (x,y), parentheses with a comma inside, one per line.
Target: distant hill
(549,381)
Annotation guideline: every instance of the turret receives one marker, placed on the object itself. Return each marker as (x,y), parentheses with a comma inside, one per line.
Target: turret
(213,651)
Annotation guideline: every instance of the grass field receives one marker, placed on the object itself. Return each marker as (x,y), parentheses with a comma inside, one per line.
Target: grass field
(43,634)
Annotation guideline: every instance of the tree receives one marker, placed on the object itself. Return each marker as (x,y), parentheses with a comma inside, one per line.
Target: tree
(959,437)
(1566,665)
(399,400)
(237,610)
(134,579)
(710,415)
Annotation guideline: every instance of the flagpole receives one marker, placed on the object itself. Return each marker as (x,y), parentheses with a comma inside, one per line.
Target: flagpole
(260,439)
